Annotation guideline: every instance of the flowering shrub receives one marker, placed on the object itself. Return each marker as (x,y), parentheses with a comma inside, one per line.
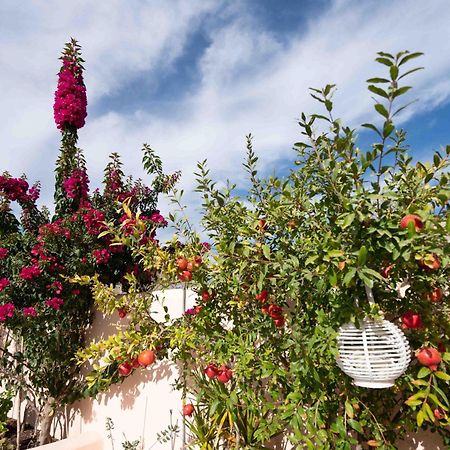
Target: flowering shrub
(44,313)
(288,266)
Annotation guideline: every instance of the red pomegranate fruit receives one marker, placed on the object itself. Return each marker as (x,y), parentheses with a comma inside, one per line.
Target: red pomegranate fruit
(211,371)
(414,218)
(412,320)
(429,356)
(188,410)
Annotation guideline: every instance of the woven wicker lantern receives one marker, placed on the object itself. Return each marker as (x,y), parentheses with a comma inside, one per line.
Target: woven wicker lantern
(374,355)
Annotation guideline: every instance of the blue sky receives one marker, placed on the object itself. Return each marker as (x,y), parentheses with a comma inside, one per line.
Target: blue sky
(193,77)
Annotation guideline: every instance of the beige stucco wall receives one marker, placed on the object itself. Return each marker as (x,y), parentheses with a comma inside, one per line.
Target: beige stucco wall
(140,406)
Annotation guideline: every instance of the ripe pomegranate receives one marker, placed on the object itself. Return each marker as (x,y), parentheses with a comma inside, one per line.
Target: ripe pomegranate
(190,266)
(279,323)
(135,363)
(182,263)
(206,296)
(224,374)
(262,296)
(188,410)
(429,263)
(415,219)
(146,358)
(125,369)
(429,356)
(122,312)
(185,276)
(197,261)
(265,308)
(435,296)
(211,371)
(275,311)
(411,319)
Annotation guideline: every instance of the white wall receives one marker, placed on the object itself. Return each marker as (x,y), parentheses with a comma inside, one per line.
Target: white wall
(141,405)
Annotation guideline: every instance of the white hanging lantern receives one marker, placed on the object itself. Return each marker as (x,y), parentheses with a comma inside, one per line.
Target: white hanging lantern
(374,355)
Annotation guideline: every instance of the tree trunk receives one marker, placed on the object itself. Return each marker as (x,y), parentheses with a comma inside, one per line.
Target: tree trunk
(46,421)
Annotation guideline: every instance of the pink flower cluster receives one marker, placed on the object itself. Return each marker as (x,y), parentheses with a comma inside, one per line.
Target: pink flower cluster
(94,221)
(4,283)
(53,229)
(29,311)
(57,286)
(28,273)
(114,183)
(101,255)
(77,185)
(70,107)
(4,252)
(6,310)
(156,217)
(14,188)
(55,303)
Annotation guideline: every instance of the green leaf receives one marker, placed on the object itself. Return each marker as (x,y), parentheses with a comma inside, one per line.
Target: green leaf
(363,277)
(332,278)
(349,218)
(362,256)
(423,372)
(442,375)
(355,425)
(410,71)
(385,61)
(401,91)
(349,276)
(393,72)
(388,128)
(378,91)
(420,417)
(378,80)
(266,251)
(381,110)
(428,412)
(408,57)
(349,409)
(372,127)
(335,253)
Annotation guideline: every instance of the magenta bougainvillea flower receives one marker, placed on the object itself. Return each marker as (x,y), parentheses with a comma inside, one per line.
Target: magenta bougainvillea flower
(101,255)
(70,107)
(77,185)
(55,303)
(30,272)
(29,311)
(4,282)
(6,311)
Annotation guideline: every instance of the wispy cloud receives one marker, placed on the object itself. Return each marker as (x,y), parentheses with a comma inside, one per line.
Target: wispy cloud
(249,80)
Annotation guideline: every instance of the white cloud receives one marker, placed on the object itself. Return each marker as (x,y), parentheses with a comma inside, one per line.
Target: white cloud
(249,80)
